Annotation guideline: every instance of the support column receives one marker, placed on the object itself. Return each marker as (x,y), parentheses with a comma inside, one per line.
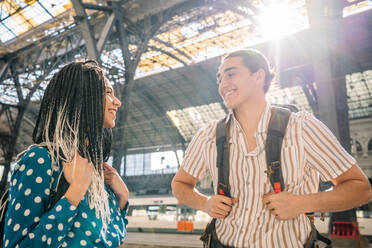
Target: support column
(325,21)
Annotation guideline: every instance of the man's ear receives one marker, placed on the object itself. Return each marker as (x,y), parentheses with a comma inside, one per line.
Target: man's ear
(260,77)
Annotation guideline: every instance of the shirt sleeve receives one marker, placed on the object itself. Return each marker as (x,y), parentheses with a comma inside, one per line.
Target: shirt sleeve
(194,162)
(124,214)
(28,223)
(323,151)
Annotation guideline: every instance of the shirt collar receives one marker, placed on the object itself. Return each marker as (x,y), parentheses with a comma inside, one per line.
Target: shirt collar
(264,120)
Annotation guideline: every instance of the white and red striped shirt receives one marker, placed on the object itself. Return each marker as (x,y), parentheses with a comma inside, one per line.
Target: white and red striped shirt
(309,150)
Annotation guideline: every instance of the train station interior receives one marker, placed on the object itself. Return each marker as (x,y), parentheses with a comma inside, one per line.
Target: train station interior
(161,57)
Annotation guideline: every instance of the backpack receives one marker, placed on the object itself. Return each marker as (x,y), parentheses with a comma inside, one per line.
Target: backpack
(276,130)
(56,194)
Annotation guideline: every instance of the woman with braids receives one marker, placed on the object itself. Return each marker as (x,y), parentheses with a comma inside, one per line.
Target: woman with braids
(72,140)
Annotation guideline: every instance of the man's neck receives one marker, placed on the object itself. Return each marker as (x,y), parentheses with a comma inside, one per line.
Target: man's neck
(249,115)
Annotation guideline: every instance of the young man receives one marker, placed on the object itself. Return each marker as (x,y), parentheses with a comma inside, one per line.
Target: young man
(254,216)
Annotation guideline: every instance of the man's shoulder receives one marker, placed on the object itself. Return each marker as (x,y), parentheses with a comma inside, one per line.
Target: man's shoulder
(208,131)
(300,116)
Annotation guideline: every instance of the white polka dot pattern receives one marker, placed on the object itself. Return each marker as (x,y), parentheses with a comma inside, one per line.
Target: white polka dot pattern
(29,172)
(37,199)
(27,212)
(17,206)
(64,225)
(27,192)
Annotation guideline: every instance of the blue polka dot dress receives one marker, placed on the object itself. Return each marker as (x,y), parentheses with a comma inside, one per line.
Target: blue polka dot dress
(29,223)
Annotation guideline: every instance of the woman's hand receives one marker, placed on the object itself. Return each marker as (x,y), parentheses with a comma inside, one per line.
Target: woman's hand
(79,178)
(116,183)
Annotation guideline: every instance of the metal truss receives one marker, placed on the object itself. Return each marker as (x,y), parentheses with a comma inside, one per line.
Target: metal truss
(23,73)
(23,79)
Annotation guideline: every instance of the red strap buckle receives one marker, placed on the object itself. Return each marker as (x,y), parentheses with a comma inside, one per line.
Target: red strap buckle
(277,187)
(221,192)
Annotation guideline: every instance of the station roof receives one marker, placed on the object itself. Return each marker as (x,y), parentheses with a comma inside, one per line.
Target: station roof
(175,92)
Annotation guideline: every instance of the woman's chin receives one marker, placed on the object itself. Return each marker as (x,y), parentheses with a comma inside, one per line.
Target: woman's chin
(110,124)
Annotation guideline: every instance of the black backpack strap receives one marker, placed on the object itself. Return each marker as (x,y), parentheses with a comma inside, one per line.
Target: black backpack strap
(223,165)
(274,141)
(59,192)
(275,134)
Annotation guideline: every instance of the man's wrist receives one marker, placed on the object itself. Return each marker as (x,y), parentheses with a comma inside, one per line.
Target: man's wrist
(305,203)
(203,203)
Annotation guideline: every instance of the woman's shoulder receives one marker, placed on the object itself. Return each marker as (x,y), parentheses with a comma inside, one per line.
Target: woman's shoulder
(35,155)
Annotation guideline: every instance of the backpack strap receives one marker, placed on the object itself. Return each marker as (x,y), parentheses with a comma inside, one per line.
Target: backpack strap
(274,140)
(275,134)
(59,192)
(222,133)
(222,163)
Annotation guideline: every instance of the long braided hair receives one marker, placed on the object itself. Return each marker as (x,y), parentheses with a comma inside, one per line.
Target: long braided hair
(71,120)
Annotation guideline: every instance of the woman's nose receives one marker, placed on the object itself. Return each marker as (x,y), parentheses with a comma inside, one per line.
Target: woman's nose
(117,102)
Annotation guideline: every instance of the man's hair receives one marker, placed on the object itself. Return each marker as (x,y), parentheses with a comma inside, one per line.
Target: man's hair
(254,60)
(72,113)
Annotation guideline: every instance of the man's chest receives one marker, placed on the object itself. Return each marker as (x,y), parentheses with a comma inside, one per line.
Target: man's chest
(248,168)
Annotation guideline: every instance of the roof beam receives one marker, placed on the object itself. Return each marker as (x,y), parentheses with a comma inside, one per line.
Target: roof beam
(169,54)
(171,46)
(3,70)
(97,7)
(106,32)
(82,18)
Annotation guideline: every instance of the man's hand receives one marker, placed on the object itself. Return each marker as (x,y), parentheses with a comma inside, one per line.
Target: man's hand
(116,183)
(219,206)
(283,205)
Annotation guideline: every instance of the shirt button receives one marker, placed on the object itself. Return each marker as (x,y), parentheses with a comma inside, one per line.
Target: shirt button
(246,209)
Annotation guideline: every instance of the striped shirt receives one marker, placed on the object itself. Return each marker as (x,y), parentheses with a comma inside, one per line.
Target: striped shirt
(309,150)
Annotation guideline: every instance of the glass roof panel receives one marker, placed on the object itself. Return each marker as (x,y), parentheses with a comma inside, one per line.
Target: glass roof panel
(8,8)
(20,17)
(356,6)
(56,7)
(359,91)
(189,120)
(291,95)
(221,32)
(36,14)
(5,34)
(16,24)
